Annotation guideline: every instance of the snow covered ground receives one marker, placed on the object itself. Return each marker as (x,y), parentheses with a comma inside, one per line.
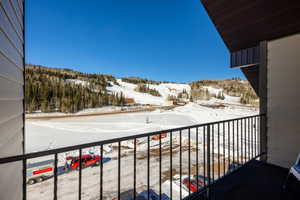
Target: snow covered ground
(53,133)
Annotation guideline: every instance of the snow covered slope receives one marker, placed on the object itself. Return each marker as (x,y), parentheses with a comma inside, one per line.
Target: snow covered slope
(228,99)
(165,89)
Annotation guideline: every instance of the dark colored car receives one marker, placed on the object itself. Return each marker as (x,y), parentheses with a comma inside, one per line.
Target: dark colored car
(86,161)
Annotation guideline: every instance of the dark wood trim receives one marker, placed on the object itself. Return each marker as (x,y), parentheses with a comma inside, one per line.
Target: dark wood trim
(245,57)
(244,23)
(252,73)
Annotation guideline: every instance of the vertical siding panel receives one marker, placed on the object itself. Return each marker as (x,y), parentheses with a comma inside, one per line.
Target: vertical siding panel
(11,96)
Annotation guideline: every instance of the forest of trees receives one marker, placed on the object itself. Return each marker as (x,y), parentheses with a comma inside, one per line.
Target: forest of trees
(136,80)
(183,95)
(232,87)
(48,90)
(146,89)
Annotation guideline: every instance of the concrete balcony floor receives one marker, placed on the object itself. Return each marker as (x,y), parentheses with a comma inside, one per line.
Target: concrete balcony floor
(254,181)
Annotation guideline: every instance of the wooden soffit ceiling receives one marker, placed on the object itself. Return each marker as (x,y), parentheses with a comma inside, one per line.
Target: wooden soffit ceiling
(244,23)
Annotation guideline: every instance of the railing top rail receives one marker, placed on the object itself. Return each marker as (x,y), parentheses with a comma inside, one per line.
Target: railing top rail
(109,141)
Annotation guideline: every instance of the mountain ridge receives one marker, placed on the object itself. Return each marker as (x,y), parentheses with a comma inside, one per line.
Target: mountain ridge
(66,90)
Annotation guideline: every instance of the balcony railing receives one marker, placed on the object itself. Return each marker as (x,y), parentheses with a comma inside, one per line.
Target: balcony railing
(167,164)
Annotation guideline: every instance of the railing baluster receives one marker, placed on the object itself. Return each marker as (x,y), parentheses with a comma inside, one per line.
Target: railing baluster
(233,137)
(248,134)
(119,170)
(213,151)
(171,164)
(180,162)
(55,177)
(237,141)
(263,124)
(252,143)
(160,166)
(134,170)
(24,163)
(219,151)
(258,135)
(245,139)
(204,153)
(148,168)
(254,136)
(80,174)
(189,159)
(229,145)
(197,159)
(255,142)
(101,173)
(224,145)
(208,160)
(242,153)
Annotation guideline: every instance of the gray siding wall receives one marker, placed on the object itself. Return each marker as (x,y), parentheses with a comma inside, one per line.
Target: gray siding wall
(11,96)
(283,110)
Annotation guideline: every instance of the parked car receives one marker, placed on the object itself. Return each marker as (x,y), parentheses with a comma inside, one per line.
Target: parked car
(192,183)
(39,171)
(86,161)
(159,136)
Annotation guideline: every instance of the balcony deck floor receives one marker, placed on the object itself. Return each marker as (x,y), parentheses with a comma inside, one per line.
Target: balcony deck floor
(256,180)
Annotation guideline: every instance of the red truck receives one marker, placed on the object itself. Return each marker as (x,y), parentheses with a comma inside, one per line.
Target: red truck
(86,161)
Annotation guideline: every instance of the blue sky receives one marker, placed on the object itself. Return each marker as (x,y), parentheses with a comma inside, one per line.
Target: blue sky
(171,40)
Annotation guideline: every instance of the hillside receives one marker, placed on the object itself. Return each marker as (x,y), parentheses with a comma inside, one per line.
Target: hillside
(222,89)
(64,90)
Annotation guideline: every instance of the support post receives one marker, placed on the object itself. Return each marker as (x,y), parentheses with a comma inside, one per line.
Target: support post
(263,98)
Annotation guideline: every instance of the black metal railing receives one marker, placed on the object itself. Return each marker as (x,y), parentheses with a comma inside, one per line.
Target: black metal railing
(167,164)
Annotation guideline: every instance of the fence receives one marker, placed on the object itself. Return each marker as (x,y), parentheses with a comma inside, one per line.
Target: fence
(167,164)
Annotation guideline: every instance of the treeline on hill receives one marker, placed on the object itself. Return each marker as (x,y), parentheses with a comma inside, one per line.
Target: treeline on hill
(143,88)
(203,94)
(50,89)
(233,87)
(137,81)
